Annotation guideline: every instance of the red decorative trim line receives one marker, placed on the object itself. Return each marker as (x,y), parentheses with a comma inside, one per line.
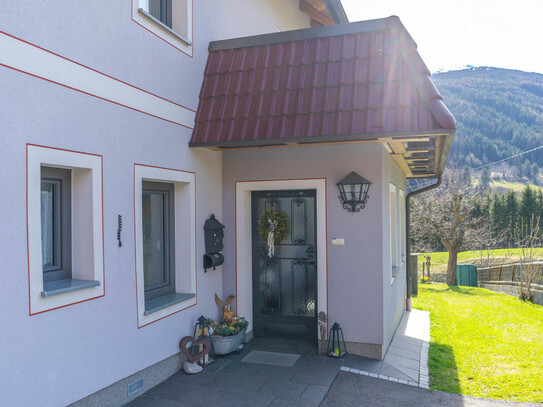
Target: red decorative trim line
(91,69)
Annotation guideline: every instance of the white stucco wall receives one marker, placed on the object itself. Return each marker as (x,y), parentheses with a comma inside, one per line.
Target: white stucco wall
(60,356)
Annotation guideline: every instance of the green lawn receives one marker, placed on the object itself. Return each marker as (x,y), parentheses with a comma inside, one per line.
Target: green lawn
(483,344)
(440,259)
(516,186)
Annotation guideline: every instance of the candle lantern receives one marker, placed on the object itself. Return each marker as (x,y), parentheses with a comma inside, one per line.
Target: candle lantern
(336,343)
(201,331)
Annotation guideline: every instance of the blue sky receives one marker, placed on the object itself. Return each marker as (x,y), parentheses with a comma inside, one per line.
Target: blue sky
(452,34)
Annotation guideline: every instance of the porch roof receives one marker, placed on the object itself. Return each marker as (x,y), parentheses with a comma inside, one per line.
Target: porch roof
(345,83)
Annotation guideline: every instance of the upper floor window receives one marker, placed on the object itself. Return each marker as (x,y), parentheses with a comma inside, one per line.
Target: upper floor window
(170,20)
(161,10)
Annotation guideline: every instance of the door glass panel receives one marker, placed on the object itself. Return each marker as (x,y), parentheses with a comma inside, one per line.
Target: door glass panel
(270,286)
(299,220)
(154,239)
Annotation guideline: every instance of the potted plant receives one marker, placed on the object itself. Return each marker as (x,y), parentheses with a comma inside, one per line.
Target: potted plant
(227,337)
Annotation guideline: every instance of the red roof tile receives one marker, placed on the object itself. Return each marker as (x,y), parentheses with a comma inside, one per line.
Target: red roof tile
(320,84)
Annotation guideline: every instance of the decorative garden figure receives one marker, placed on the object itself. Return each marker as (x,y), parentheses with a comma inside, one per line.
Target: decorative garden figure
(227,313)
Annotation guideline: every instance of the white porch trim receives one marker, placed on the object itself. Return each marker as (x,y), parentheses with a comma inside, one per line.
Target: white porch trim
(244,275)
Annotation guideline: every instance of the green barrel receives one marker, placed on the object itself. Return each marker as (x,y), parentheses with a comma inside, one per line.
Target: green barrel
(466,274)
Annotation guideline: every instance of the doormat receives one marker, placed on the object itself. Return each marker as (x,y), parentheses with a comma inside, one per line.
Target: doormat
(271,358)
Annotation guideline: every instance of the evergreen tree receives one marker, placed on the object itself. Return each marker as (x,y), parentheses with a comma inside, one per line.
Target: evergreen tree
(485,179)
(539,211)
(511,216)
(528,206)
(498,212)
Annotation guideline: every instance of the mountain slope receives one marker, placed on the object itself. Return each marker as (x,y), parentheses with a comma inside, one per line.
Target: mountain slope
(499,113)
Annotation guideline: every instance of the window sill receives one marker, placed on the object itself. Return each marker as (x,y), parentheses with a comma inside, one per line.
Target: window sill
(165,302)
(164,26)
(66,286)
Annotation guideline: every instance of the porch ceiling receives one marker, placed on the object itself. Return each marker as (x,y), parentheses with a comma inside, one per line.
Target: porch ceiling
(361,82)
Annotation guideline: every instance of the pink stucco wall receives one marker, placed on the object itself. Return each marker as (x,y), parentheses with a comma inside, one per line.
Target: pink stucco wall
(356,270)
(61,356)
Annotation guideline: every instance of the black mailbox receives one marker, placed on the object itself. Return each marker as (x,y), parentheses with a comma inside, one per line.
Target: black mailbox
(213,234)
(213,260)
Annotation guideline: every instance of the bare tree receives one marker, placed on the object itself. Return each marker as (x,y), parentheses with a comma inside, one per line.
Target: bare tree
(528,237)
(491,242)
(447,213)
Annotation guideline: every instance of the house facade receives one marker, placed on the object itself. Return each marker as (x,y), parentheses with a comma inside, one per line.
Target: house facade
(126,125)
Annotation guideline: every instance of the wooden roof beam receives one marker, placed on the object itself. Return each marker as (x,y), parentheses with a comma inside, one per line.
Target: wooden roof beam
(317,11)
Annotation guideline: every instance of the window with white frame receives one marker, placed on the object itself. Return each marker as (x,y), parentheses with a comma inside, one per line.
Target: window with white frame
(402,227)
(165,241)
(169,19)
(65,236)
(394,256)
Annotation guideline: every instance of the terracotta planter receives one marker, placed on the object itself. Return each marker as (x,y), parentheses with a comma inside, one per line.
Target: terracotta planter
(223,345)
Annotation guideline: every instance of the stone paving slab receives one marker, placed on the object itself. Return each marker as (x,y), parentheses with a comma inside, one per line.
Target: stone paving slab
(407,355)
(314,393)
(229,381)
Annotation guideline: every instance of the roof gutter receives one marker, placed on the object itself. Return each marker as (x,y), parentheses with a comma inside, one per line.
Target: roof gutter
(335,8)
(408,235)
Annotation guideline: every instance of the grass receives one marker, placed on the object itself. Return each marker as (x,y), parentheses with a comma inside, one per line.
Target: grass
(515,186)
(483,344)
(439,259)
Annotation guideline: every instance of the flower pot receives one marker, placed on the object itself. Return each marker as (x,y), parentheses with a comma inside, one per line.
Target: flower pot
(223,345)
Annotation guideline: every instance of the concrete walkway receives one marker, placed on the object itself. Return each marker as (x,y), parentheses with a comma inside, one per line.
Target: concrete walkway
(262,375)
(406,360)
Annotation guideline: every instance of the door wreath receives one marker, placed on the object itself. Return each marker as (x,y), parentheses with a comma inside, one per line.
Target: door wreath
(274,227)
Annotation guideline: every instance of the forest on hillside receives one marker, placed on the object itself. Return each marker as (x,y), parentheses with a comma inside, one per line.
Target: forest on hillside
(499,113)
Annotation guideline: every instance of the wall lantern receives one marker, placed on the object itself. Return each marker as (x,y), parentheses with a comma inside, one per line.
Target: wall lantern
(353,191)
